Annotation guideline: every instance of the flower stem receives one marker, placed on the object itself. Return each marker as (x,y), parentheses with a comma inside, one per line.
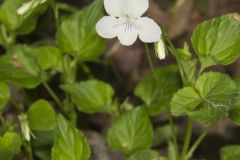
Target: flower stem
(56,13)
(172,49)
(54,96)
(187,140)
(197,142)
(150,59)
(28,148)
(174,135)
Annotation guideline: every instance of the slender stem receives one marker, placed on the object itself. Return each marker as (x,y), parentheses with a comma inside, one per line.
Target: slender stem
(187,140)
(197,142)
(174,136)
(56,13)
(54,96)
(28,147)
(150,59)
(17,106)
(173,51)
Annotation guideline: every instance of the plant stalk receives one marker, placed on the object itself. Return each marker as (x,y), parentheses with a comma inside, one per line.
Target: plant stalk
(54,96)
(187,140)
(150,60)
(197,142)
(174,135)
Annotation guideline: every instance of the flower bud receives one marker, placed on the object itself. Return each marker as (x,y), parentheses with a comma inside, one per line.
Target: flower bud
(25,126)
(160,49)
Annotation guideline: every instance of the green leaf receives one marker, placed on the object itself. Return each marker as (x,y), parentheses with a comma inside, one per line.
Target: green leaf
(70,143)
(77,34)
(131,132)
(214,95)
(24,56)
(41,116)
(13,72)
(36,59)
(91,96)
(156,92)
(47,56)
(4,95)
(183,54)
(23,64)
(218,93)
(184,100)
(231,152)
(21,24)
(144,155)
(234,113)
(10,145)
(217,41)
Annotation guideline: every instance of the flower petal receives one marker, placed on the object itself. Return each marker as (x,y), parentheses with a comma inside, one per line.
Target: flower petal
(105,27)
(126,35)
(114,7)
(149,31)
(136,8)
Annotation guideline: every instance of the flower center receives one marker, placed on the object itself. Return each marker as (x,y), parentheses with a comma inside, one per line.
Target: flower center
(128,25)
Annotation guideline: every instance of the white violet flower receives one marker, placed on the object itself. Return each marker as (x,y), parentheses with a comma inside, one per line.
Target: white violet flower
(126,23)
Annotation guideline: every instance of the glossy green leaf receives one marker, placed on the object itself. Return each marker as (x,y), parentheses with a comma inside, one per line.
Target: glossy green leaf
(131,132)
(156,92)
(10,145)
(91,96)
(216,41)
(4,95)
(23,64)
(183,54)
(36,59)
(144,155)
(41,116)
(218,93)
(211,99)
(13,72)
(25,57)
(184,100)
(47,56)
(77,34)
(70,143)
(21,24)
(231,152)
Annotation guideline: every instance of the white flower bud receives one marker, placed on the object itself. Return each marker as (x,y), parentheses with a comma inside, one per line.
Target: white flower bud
(25,126)
(160,49)
(24,8)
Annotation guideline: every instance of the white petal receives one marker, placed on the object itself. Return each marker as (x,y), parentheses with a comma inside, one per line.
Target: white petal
(149,31)
(106,27)
(114,7)
(127,36)
(136,8)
